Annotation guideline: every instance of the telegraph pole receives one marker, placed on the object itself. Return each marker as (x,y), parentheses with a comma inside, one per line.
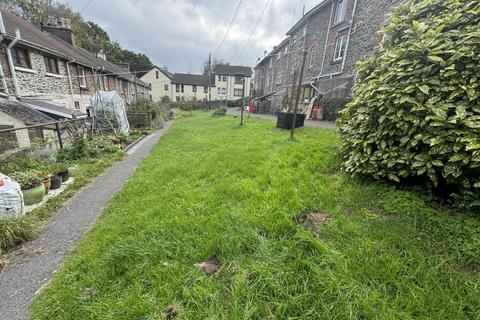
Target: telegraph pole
(243,97)
(299,90)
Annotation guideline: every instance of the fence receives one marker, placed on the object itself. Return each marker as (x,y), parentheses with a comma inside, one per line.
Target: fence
(140,120)
(56,134)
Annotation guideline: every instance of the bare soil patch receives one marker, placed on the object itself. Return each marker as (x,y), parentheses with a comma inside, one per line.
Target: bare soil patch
(313,221)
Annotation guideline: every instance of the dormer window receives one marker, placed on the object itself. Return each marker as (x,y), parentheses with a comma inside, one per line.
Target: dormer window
(21,58)
(51,65)
(340,11)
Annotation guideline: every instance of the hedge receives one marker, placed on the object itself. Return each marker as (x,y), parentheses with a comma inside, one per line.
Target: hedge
(415,114)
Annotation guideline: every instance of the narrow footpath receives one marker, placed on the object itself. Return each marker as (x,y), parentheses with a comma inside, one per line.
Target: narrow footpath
(308,123)
(32,266)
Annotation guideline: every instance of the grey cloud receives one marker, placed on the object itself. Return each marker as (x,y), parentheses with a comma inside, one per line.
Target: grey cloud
(181,33)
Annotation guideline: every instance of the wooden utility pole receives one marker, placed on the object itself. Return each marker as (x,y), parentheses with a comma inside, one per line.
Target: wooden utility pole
(297,98)
(243,97)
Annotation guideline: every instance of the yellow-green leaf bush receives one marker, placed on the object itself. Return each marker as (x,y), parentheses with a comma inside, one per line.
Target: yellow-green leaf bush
(416,108)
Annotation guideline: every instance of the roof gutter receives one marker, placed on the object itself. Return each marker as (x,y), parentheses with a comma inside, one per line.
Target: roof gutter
(3,35)
(11,64)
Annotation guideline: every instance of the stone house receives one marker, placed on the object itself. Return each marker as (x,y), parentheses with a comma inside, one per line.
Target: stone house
(43,69)
(46,65)
(335,34)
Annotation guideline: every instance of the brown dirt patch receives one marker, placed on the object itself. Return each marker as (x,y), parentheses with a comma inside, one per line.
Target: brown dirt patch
(210,267)
(313,221)
(170,313)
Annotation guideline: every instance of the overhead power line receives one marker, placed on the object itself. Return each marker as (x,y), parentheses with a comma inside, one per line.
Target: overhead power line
(229,27)
(253,31)
(85,6)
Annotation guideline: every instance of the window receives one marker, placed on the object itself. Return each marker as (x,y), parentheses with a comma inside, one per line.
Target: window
(177,88)
(177,98)
(312,56)
(279,78)
(285,53)
(205,89)
(238,79)
(182,88)
(219,78)
(270,63)
(21,58)
(157,74)
(238,92)
(77,105)
(219,90)
(51,65)
(340,44)
(81,77)
(224,78)
(340,11)
(224,90)
(194,89)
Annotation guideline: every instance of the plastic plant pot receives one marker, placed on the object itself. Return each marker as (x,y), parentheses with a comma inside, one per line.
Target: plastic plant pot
(33,196)
(56,182)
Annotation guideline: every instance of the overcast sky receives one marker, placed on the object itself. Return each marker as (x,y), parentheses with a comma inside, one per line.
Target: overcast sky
(179,34)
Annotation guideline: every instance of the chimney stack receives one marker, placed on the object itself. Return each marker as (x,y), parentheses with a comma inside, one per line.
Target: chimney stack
(62,28)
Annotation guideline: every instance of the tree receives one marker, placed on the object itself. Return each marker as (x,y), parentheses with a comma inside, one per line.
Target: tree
(415,115)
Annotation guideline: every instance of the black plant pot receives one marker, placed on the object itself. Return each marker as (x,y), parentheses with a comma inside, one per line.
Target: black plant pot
(285,120)
(65,175)
(56,182)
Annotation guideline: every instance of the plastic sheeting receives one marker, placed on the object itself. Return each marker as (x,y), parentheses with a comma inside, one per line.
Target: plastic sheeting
(110,112)
(11,198)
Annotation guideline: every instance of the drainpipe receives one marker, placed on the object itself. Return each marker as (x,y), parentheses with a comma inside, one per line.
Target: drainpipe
(3,34)
(10,62)
(70,81)
(326,39)
(331,75)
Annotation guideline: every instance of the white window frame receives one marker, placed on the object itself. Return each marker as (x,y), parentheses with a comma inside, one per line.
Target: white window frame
(340,11)
(340,47)
(82,80)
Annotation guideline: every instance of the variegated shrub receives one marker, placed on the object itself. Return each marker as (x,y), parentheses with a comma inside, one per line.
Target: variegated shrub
(416,107)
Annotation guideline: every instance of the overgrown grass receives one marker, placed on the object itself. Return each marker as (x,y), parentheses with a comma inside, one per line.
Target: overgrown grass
(16,231)
(210,188)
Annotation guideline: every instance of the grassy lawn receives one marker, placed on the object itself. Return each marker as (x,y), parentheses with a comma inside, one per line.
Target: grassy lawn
(210,188)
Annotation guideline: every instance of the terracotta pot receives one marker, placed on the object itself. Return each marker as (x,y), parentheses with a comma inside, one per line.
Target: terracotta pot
(47,182)
(33,196)
(56,182)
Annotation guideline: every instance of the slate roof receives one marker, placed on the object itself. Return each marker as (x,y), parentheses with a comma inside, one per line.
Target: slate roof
(32,36)
(191,79)
(232,70)
(23,112)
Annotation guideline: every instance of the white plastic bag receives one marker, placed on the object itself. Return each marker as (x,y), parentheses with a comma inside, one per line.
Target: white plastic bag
(11,198)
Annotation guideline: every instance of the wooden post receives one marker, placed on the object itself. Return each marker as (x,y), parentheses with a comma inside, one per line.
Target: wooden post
(297,98)
(243,97)
(59,135)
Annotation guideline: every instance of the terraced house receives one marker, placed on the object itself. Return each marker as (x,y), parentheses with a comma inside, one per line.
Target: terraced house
(222,82)
(44,75)
(336,34)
